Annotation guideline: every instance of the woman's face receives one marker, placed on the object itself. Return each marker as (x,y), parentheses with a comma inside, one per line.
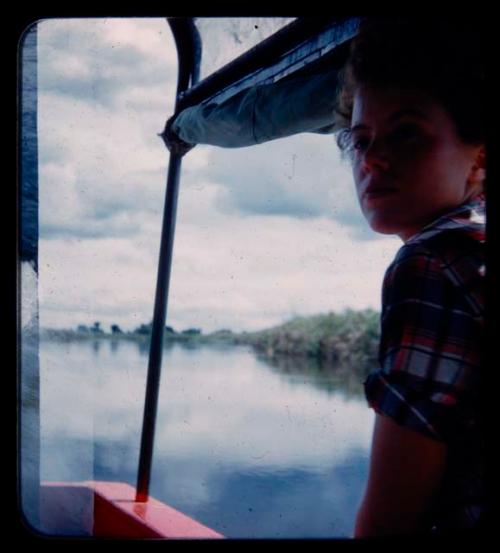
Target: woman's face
(409,165)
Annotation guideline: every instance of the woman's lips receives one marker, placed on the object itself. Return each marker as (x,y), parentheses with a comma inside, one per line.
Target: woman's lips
(374,192)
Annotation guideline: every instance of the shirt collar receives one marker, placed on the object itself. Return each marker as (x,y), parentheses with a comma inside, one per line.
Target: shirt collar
(471,214)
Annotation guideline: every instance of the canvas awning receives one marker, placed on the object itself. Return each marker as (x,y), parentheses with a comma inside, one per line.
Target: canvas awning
(282,86)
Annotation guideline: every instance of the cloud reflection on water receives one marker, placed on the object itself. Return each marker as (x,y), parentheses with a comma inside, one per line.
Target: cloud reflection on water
(244,448)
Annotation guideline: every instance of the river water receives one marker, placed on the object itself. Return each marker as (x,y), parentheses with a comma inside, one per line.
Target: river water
(251,448)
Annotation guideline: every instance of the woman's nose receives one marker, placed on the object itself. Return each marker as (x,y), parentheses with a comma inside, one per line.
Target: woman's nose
(375,157)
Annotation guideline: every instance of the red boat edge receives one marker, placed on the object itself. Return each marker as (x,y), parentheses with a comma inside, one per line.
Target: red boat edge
(109,510)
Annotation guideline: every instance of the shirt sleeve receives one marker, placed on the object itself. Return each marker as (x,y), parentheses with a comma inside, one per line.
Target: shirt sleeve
(429,348)
(263,112)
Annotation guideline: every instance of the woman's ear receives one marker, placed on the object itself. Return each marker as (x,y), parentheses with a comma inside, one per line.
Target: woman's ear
(477,174)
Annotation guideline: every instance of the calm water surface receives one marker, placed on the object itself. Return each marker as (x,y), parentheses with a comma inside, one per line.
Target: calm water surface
(251,449)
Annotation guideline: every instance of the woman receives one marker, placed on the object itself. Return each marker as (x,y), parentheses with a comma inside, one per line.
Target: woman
(411,107)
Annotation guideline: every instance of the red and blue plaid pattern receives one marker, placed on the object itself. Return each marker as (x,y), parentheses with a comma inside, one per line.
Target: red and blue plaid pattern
(431,339)
(432,324)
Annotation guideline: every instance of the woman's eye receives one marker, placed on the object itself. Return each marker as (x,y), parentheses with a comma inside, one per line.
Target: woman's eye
(405,133)
(360,144)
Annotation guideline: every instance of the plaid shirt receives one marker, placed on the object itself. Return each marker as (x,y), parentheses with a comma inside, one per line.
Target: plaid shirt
(430,350)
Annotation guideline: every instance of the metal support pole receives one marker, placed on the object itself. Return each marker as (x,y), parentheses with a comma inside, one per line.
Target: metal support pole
(156,345)
(189,51)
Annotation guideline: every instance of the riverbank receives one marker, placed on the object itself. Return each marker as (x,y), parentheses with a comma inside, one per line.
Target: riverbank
(347,339)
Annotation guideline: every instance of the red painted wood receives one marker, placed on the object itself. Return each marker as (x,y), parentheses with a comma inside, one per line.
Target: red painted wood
(109,509)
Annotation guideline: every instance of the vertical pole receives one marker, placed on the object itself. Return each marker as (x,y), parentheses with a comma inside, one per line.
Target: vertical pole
(156,345)
(188,45)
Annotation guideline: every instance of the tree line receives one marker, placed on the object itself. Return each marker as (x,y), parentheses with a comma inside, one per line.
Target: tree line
(141,330)
(348,339)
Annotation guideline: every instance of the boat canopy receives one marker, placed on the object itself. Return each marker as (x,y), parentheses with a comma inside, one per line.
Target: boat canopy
(282,86)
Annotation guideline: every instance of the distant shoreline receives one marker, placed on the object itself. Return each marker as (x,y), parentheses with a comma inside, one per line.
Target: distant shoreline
(69,334)
(349,339)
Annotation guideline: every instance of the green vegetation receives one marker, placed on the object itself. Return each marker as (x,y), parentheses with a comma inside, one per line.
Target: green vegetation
(348,339)
(142,334)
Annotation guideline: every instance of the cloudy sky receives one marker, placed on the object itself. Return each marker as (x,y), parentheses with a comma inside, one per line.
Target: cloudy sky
(263,233)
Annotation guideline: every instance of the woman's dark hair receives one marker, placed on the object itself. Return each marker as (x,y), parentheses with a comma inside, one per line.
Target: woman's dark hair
(439,56)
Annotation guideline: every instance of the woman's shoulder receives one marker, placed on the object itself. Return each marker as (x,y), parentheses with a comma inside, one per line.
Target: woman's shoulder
(447,247)
(460,231)
(447,267)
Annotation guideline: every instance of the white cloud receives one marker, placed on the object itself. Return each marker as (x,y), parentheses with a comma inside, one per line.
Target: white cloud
(111,280)
(229,271)
(265,269)
(95,163)
(150,36)
(301,175)
(99,60)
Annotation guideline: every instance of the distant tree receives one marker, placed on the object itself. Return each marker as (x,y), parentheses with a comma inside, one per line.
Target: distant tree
(222,332)
(115,329)
(169,329)
(82,328)
(192,331)
(97,328)
(144,329)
